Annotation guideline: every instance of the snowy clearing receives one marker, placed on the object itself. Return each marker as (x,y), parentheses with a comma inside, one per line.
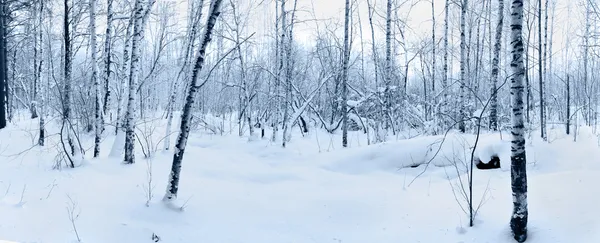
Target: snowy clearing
(239,191)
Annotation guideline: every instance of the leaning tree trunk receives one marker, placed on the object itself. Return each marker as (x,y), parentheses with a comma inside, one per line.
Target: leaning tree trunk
(186,117)
(345,76)
(98,89)
(518,222)
(134,73)
(193,23)
(496,68)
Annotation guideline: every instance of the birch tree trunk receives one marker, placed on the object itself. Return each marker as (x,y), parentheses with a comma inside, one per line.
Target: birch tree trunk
(345,75)
(95,80)
(108,55)
(568,120)
(36,79)
(496,68)
(3,66)
(288,69)
(463,67)
(42,88)
(434,62)
(186,117)
(283,69)
(545,75)
(388,64)
(134,72)
(193,23)
(540,72)
(379,136)
(518,222)
(446,96)
(280,26)
(124,73)
(67,82)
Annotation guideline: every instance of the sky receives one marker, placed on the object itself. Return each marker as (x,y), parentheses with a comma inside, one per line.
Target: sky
(313,15)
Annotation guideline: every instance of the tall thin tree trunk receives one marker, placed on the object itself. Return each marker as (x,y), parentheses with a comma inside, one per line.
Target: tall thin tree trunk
(108,55)
(193,24)
(95,80)
(3,66)
(42,86)
(540,72)
(496,68)
(433,58)
(549,75)
(446,96)
(124,73)
(283,69)
(345,75)
(186,117)
(279,26)
(36,78)
(138,35)
(463,67)
(568,117)
(67,81)
(379,137)
(518,222)
(388,65)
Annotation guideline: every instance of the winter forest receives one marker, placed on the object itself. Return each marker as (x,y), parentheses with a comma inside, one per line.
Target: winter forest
(325,121)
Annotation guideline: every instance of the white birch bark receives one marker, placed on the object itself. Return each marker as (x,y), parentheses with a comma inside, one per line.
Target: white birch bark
(496,68)
(95,80)
(108,56)
(463,67)
(346,61)
(134,73)
(518,222)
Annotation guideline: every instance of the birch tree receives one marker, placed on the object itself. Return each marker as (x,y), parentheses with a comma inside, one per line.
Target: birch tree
(496,68)
(388,65)
(463,66)
(346,61)
(95,80)
(134,75)
(124,78)
(42,87)
(108,55)
(3,69)
(193,23)
(446,92)
(518,222)
(67,89)
(186,116)
(540,72)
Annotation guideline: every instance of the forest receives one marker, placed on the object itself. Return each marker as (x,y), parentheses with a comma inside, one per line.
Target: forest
(299,121)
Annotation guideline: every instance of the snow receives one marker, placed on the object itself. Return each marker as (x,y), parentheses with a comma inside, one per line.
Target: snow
(353,103)
(233,191)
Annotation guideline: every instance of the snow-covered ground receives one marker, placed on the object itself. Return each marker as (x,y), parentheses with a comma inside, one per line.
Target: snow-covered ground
(236,191)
